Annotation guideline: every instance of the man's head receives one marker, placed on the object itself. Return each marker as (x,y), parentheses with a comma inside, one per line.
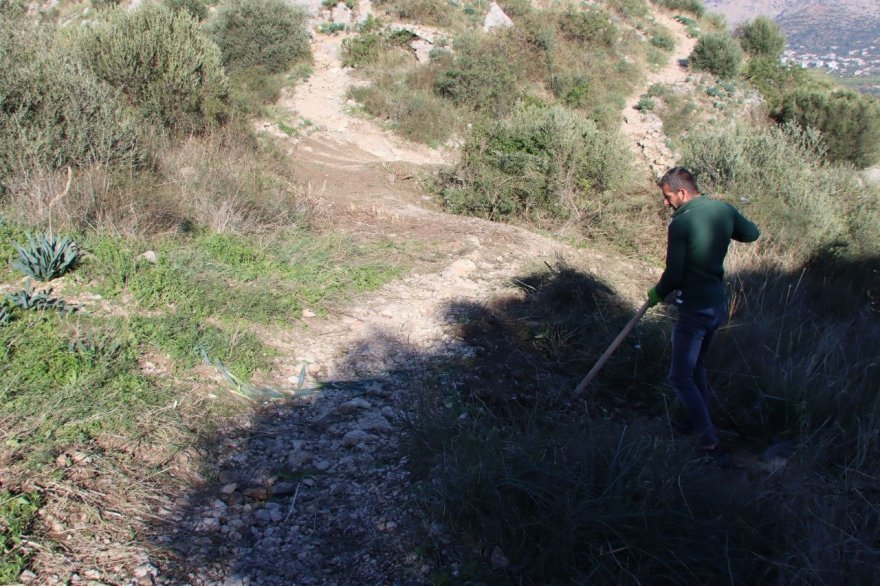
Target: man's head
(678,186)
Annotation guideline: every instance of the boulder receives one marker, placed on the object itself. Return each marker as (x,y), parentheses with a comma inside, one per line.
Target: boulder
(496,18)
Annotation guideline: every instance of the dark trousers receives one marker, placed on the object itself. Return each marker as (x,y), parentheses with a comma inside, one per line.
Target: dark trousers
(691,339)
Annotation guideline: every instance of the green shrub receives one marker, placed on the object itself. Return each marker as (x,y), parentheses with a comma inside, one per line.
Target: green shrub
(53,113)
(160,61)
(776,80)
(806,206)
(266,33)
(645,105)
(539,162)
(480,80)
(18,513)
(252,88)
(363,49)
(849,122)
(196,8)
(693,6)
(762,38)
(629,8)
(715,21)
(414,113)
(430,12)
(663,40)
(591,26)
(717,53)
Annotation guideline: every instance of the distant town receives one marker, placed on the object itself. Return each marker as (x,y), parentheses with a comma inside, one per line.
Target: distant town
(860,66)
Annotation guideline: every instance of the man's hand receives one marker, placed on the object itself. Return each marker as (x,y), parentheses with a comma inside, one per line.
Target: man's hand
(653,297)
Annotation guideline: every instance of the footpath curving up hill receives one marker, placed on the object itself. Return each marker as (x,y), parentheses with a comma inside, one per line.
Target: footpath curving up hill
(274,356)
(316,491)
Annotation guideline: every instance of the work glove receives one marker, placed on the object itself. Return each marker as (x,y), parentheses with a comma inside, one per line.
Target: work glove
(653,297)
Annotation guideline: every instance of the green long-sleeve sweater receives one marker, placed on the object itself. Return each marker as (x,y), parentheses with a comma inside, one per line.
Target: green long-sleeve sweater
(699,234)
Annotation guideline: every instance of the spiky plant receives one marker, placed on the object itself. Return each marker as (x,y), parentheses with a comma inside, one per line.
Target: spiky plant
(28,300)
(5,313)
(46,257)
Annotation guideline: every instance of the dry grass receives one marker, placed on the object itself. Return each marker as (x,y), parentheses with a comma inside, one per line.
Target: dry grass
(224,181)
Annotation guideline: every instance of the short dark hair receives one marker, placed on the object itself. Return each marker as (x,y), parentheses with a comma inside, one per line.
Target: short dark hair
(678,178)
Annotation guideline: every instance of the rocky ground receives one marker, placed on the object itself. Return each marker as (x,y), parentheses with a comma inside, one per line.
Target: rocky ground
(315,490)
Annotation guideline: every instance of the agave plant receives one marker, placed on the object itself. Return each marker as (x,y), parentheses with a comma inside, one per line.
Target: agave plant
(46,257)
(5,313)
(27,299)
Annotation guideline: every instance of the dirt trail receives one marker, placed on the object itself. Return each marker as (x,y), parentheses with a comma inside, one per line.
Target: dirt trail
(645,129)
(316,491)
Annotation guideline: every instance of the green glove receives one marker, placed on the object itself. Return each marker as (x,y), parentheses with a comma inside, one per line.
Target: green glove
(653,297)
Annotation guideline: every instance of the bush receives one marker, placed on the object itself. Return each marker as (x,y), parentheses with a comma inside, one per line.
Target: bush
(591,26)
(363,49)
(480,79)
(776,81)
(806,206)
(429,12)
(53,113)
(645,105)
(541,161)
(414,113)
(629,8)
(196,8)
(849,122)
(160,61)
(693,6)
(663,40)
(762,38)
(717,53)
(266,33)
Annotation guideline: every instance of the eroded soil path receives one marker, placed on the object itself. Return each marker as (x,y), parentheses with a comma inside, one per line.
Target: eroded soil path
(644,128)
(316,489)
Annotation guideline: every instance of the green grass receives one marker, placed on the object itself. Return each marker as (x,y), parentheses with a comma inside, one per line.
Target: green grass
(233,279)
(17,513)
(69,379)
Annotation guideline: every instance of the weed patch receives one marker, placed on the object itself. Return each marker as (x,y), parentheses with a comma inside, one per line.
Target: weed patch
(17,514)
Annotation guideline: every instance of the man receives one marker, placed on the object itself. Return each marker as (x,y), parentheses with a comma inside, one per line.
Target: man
(698,237)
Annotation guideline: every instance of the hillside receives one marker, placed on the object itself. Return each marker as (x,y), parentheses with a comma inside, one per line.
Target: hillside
(324,283)
(842,37)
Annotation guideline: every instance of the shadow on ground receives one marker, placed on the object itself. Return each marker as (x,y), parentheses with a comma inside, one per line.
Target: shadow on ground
(340,488)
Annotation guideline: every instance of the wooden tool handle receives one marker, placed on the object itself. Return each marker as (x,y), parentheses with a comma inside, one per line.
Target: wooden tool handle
(614,345)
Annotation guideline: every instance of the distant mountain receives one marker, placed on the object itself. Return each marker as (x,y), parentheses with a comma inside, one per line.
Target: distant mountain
(813,25)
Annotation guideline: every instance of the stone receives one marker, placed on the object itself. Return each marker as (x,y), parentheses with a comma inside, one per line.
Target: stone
(496,18)
(145,570)
(297,459)
(374,422)
(27,577)
(228,488)
(258,493)
(498,560)
(376,390)
(150,256)
(283,489)
(341,14)
(356,404)
(460,268)
(355,437)
(308,313)
(422,50)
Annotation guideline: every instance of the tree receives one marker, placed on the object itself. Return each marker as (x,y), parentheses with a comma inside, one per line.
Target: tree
(762,38)
(717,53)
